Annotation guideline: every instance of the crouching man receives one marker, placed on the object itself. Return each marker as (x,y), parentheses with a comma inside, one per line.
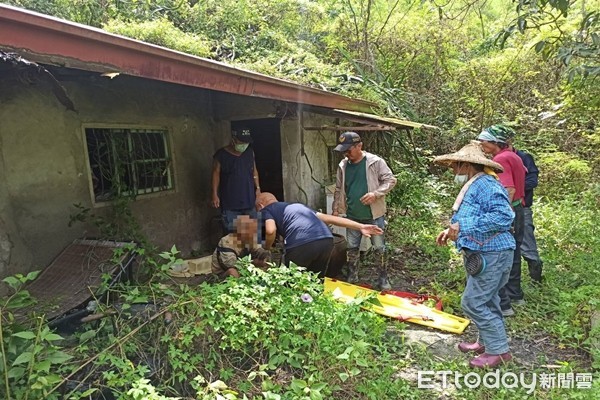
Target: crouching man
(241,243)
(308,242)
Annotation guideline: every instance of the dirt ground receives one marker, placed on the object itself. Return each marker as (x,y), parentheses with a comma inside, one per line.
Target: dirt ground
(529,351)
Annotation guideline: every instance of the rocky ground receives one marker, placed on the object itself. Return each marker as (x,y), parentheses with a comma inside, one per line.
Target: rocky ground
(529,351)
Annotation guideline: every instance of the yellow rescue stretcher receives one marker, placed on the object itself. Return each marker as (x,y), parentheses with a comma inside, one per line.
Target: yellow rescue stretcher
(397,307)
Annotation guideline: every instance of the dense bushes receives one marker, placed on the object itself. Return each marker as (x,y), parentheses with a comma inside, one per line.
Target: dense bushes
(162,32)
(269,334)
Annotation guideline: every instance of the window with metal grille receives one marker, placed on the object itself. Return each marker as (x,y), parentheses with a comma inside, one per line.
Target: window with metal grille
(128,162)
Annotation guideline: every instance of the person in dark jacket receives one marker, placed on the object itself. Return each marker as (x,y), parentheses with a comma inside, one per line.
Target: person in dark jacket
(529,249)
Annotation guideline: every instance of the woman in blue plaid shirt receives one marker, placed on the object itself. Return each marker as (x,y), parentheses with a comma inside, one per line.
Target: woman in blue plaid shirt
(480,229)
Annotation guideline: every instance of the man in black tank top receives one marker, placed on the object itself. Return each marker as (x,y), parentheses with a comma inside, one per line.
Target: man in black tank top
(235,181)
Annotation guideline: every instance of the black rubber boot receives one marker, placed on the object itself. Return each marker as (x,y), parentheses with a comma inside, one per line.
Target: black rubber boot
(535,270)
(383,282)
(353,262)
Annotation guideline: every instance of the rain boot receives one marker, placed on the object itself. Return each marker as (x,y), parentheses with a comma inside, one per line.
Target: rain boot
(353,261)
(535,270)
(383,282)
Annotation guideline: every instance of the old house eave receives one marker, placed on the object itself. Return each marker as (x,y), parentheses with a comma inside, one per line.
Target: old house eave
(368,122)
(50,40)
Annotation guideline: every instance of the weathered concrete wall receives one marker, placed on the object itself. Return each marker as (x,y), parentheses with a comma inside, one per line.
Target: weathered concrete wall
(182,216)
(40,178)
(44,167)
(305,154)
(14,255)
(45,170)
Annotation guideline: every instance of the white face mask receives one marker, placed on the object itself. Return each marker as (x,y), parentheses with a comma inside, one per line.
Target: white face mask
(240,148)
(461,179)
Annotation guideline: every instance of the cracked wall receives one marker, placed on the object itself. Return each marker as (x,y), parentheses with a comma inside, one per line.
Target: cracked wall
(45,169)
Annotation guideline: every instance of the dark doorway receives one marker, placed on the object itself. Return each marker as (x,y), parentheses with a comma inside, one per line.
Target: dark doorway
(266,136)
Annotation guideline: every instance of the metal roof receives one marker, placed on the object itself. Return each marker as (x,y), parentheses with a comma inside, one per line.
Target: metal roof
(50,40)
(369,122)
(386,121)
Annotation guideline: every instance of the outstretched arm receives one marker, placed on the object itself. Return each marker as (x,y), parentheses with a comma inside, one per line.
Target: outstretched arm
(366,230)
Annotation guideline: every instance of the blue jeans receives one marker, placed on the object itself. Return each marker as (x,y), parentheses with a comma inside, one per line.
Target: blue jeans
(481,302)
(354,237)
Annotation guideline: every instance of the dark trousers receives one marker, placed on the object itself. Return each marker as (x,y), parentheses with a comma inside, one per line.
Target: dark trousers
(313,256)
(512,289)
(529,249)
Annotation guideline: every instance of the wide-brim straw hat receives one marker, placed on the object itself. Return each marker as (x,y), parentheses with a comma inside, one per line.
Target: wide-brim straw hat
(471,153)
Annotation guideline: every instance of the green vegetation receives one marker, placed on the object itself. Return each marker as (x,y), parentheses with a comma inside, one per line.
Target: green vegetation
(30,357)
(271,334)
(461,66)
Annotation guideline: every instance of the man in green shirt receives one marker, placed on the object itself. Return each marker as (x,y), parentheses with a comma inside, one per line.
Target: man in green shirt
(363,180)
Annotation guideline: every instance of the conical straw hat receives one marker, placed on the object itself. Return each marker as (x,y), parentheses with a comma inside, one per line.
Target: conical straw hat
(471,153)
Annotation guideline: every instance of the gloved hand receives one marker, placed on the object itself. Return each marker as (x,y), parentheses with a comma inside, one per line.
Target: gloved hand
(261,254)
(261,258)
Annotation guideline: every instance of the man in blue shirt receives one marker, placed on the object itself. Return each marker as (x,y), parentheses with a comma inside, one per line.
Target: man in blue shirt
(480,229)
(307,240)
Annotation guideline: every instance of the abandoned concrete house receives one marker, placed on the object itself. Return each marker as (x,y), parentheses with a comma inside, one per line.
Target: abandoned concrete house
(76,101)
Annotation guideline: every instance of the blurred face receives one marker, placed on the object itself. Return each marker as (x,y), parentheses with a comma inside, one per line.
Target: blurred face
(489,147)
(354,153)
(460,168)
(246,229)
